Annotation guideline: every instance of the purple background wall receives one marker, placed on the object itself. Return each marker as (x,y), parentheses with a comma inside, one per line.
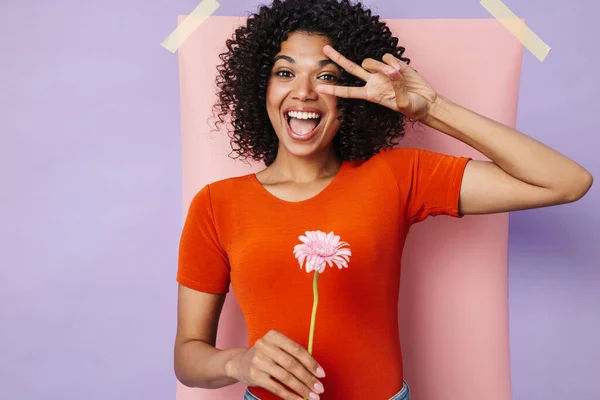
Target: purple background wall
(90,200)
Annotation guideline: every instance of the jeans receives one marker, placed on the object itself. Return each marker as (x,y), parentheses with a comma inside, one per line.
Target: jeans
(403,394)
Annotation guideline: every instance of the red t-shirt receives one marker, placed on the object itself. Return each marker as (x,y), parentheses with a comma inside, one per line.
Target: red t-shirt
(237,233)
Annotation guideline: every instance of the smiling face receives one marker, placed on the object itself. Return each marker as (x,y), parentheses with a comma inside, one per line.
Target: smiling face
(305,121)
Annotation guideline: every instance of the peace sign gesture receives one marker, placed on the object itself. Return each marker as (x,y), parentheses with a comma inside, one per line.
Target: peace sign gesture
(391,83)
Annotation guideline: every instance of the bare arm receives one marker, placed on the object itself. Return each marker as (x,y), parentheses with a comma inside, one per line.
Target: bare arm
(524,173)
(197,362)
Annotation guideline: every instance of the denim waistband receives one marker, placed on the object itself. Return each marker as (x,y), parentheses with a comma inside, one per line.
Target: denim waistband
(403,394)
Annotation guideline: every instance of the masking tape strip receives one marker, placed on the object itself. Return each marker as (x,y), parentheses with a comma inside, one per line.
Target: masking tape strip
(517,27)
(189,25)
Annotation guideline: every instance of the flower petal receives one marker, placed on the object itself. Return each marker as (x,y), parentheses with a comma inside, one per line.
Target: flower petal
(304,239)
(318,250)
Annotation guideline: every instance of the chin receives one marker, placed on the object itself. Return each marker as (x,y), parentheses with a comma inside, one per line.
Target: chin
(303,149)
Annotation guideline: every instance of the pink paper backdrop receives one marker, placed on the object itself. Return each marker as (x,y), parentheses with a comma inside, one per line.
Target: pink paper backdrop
(453,322)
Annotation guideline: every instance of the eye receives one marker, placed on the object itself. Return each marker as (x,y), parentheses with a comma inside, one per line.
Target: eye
(284,74)
(328,77)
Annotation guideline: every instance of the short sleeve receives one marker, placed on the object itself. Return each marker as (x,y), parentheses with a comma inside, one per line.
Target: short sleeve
(429,183)
(202,264)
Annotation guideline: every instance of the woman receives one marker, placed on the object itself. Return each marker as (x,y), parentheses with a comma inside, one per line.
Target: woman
(318,90)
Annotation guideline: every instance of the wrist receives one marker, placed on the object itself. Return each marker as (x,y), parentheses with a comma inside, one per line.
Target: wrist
(232,365)
(436,110)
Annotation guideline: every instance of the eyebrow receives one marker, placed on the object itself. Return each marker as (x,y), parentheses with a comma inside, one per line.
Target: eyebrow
(321,63)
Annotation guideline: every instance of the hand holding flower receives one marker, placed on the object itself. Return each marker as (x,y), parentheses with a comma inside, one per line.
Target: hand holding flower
(277,356)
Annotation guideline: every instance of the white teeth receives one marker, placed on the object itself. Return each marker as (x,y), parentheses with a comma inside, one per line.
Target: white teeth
(304,115)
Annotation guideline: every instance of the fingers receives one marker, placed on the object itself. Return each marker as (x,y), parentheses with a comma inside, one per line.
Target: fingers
(347,92)
(391,67)
(349,66)
(291,381)
(289,363)
(375,66)
(394,62)
(369,65)
(294,374)
(263,379)
(296,351)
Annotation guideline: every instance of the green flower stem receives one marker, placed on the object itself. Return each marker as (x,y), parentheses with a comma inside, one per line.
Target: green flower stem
(313,318)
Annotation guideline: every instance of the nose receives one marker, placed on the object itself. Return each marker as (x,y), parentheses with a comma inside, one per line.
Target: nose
(304,88)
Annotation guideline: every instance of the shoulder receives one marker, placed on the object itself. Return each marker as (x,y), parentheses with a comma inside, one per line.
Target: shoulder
(410,157)
(219,192)
(393,159)
(229,185)
(407,164)
(399,153)
(386,161)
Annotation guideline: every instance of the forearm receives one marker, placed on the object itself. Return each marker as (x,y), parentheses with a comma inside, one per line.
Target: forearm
(198,364)
(519,155)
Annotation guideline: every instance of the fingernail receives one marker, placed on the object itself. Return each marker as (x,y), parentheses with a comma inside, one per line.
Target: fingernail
(320,372)
(314,396)
(319,388)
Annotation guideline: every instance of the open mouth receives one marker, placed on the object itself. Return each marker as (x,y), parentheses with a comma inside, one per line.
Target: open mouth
(303,124)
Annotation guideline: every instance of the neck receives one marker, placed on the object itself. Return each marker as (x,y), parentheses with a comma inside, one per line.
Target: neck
(305,169)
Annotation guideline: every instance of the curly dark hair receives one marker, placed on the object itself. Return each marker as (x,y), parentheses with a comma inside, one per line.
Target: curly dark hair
(366,127)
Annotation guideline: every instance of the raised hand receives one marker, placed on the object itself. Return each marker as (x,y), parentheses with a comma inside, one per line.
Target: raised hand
(392,84)
(277,356)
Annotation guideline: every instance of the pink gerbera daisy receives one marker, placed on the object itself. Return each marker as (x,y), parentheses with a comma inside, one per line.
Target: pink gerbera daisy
(319,248)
